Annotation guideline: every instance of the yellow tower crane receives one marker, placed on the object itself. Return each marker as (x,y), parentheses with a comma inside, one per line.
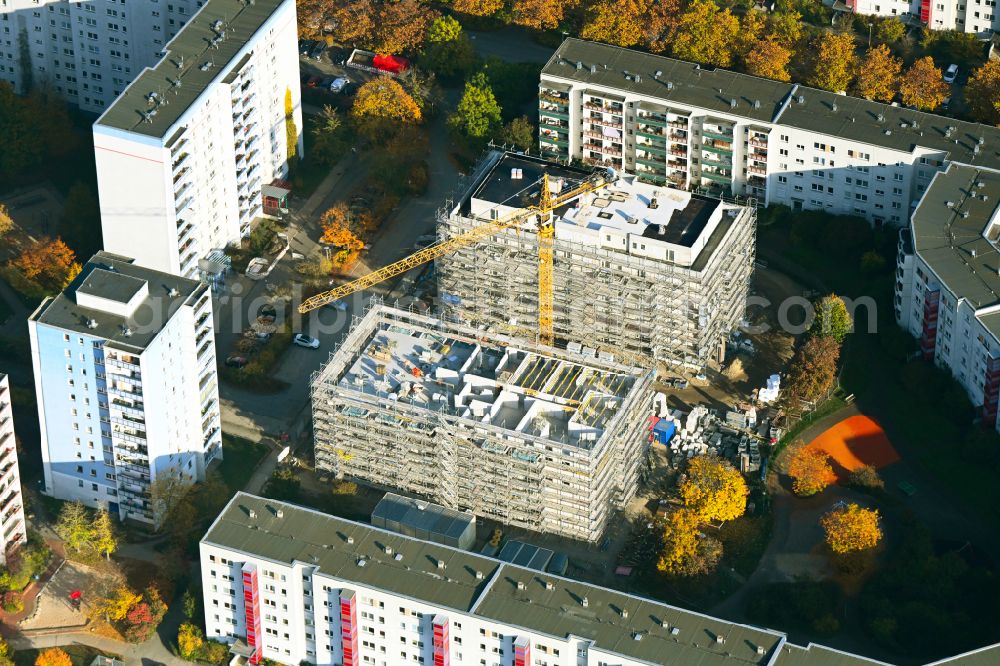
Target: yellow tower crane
(547,202)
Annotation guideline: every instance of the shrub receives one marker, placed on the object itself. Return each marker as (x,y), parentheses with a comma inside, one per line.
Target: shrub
(867,477)
(12,602)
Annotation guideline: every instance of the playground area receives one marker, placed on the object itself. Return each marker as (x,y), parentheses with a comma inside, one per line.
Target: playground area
(855,442)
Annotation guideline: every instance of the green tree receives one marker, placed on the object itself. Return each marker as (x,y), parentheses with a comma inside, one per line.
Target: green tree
(283,485)
(890,30)
(519,133)
(105,537)
(834,62)
(706,34)
(832,318)
(785,28)
(189,604)
(74,527)
(448,50)
(327,136)
(813,369)
(478,113)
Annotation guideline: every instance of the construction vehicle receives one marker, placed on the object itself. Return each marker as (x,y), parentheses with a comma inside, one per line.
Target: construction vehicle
(547,202)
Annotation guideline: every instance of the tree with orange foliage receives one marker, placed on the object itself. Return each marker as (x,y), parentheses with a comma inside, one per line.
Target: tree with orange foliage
(49,263)
(381,105)
(769,59)
(878,76)
(922,85)
(660,22)
(810,470)
(53,657)
(336,224)
(478,7)
(402,26)
(851,528)
(618,22)
(355,20)
(540,14)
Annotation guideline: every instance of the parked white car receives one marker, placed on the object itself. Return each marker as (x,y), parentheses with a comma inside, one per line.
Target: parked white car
(303,340)
(951,73)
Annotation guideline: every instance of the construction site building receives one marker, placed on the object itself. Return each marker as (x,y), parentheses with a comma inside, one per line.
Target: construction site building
(641,271)
(525,435)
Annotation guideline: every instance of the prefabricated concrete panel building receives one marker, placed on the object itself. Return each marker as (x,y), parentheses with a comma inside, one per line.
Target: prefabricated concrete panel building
(425,520)
(525,435)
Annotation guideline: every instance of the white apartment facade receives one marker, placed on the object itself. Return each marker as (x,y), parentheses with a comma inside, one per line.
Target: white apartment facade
(87,51)
(979,17)
(13,532)
(701,128)
(184,153)
(948,284)
(126,384)
(290,584)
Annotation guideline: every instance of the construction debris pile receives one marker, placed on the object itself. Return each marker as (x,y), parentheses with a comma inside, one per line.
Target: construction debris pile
(735,435)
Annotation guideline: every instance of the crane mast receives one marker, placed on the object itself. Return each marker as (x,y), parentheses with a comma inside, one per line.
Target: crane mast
(547,202)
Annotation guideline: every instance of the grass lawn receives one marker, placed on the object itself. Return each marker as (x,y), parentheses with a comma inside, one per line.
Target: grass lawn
(81,655)
(240,458)
(924,412)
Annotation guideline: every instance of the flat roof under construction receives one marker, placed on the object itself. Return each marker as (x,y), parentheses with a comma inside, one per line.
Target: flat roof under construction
(561,398)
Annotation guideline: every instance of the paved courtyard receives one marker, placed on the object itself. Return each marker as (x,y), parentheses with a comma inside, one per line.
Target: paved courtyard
(54,608)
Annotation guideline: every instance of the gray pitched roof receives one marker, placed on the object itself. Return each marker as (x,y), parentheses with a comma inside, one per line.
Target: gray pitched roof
(760,99)
(186,54)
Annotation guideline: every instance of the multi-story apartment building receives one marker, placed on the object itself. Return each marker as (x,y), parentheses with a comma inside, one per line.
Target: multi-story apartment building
(126,383)
(641,271)
(185,150)
(979,17)
(948,284)
(702,128)
(12,529)
(526,435)
(294,585)
(86,51)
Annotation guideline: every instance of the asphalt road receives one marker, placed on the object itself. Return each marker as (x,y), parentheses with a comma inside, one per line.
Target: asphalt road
(288,410)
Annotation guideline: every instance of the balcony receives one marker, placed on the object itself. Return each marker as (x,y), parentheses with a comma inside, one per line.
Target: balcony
(604,123)
(554,99)
(651,120)
(650,177)
(757,170)
(607,150)
(717,177)
(656,164)
(649,148)
(722,135)
(180,161)
(552,113)
(719,147)
(603,108)
(758,143)
(553,140)
(656,136)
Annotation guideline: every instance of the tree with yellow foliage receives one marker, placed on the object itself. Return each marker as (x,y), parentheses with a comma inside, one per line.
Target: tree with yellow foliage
(539,14)
(982,94)
(922,86)
(478,7)
(291,131)
(53,657)
(618,22)
(851,528)
(687,552)
(714,489)
(6,221)
(834,62)
(49,263)
(190,640)
(878,76)
(810,470)
(116,606)
(381,106)
(337,231)
(769,59)
(706,34)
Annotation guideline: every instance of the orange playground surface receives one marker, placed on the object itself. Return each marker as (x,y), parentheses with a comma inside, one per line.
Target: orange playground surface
(855,442)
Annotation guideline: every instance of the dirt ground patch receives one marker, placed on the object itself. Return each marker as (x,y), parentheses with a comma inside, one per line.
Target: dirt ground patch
(36,212)
(54,608)
(855,442)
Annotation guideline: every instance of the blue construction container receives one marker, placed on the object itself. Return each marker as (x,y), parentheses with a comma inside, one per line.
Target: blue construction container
(664,431)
